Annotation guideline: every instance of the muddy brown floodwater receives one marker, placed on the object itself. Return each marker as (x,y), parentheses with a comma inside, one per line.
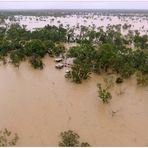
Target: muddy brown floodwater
(38,105)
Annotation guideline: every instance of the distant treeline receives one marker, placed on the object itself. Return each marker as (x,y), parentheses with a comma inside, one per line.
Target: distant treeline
(61,12)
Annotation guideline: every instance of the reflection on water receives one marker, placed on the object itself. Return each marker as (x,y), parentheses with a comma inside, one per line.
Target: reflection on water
(38,105)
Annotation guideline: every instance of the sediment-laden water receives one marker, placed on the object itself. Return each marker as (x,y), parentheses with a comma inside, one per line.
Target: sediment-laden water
(38,105)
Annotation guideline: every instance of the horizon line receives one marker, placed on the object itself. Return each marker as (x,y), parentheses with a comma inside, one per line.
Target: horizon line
(77,9)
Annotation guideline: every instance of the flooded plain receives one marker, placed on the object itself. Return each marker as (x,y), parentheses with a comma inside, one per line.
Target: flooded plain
(75,22)
(38,105)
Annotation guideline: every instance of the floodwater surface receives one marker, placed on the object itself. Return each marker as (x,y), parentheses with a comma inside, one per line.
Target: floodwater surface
(38,105)
(90,21)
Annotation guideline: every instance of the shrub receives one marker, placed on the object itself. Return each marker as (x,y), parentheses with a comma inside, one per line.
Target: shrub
(36,62)
(119,80)
(142,79)
(85,144)
(109,81)
(104,94)
(7,138)
(126,71)
(71,139)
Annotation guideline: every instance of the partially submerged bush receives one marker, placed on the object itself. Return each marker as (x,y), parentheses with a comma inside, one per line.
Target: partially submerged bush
(109,81)
(71,139)
(16,57)
(79,71)
(119,80)
(36,63)
(7,138)
(142,79)
(126,71)
(58,50)
(104,94)
(85,144)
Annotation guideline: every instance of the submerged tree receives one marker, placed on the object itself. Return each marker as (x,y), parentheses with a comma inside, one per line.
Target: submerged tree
(142,79)
(71,139)
(7,138)
(16,57)
(98,50)
(36,62)
(79,71)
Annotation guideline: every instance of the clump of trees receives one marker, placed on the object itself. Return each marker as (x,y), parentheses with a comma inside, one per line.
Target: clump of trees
(71,139)
(20,44)
(98,51)
(35,47)
(141,42)
(126,26)
(107,56)
(7,138)
(53,33)
(81,69)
